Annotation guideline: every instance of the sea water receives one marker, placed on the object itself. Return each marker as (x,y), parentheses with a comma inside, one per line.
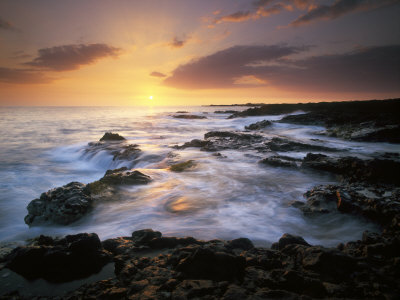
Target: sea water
(227,196)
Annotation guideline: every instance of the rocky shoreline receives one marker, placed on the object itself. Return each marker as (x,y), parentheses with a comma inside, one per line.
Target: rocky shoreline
(148,265)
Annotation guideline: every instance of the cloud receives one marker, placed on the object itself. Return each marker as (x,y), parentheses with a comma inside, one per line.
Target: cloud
(5,25)
(223,68)
(373,69)
(177,43)
(338,9)
(275,9)
(71,57)
(157,74)
(239,16)
(23,76)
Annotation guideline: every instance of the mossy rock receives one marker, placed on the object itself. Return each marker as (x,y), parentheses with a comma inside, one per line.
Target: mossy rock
(180,167)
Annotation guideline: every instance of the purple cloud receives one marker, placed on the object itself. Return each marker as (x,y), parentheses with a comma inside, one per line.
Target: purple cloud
(72,57)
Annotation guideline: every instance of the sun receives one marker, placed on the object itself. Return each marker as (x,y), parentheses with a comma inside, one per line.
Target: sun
(151,97)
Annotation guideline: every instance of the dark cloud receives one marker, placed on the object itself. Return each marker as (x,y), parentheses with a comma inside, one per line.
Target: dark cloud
(23,76)
(374,69)
(157,74)
(221,69)
(339,8)
(72,57)
(5,25)
(177,43)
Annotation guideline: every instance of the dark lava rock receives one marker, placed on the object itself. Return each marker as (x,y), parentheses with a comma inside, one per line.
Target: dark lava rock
(125,177)
(206,264)
(181,112)
(258,125)
(188,117)
(70,258)
(227,134)
(119,151)
(225,111)
(280,161)
(285,145)
(109,136)
(288,239)
(62,205)
(220,140)
(364,269)
(144,236)
(240,243)
(171,242)
(354,169)
(321,199)
(196,143)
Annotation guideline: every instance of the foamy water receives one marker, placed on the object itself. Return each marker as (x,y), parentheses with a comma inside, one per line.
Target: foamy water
(222,197)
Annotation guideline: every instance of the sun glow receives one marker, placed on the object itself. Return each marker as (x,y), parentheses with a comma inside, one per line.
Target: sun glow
(151,97)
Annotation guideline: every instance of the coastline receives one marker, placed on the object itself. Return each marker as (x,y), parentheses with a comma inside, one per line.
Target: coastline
(150,265)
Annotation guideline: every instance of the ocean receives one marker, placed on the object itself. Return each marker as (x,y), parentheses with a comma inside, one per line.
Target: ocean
(225,197)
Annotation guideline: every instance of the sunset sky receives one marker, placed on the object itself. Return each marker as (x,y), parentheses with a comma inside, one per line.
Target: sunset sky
(191,52)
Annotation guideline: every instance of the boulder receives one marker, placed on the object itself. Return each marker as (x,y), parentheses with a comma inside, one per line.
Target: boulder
(144,236)
(73,257)
(183,166)
(240,243)
(258,125)
(288,239)
(63,205)
(321,199)
(109,136)
(206,264)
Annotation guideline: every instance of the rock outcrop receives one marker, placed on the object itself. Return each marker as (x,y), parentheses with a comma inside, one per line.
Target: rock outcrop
(259,125)
(58,260)
(62,205)
(69,203)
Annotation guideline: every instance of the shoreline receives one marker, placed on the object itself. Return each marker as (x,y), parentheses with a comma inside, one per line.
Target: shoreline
(150,265)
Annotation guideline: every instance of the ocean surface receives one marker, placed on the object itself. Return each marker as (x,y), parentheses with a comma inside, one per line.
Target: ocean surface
(222,197)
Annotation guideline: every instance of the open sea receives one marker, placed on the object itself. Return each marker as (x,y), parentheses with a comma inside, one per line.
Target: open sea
(234,196)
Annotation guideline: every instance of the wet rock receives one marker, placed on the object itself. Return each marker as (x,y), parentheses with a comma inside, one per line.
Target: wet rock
(196,143)
(63,205)
(225,111)
(171,242)
(280,161)
(288,239)
(182,112)
(354,169)
(259,125)
(109,136)
(180,167)
(285,145)
(119,151)
(73,257)
(240,243)
(188,117)
(333,265)
(144,236)
(206,264)
(104,188)
(321,199)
